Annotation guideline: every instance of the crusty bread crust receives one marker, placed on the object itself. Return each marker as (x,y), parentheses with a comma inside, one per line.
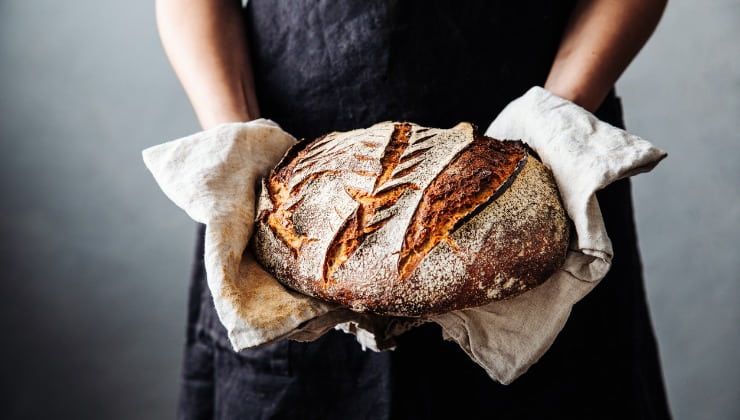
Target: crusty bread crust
(399,219)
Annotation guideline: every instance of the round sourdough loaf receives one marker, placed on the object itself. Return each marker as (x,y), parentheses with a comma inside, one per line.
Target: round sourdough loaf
(399,219)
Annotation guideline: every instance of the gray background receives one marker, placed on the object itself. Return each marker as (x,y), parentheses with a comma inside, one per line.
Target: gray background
(95,259)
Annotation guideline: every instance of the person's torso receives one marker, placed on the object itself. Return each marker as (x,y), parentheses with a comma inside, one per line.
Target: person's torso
(330,65)
(325,65)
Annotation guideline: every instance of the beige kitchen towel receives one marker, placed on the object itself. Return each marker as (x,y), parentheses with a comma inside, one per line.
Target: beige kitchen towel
(212,176)
(585,155)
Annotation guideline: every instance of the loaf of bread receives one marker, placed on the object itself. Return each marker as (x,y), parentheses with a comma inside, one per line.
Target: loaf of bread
(399,219)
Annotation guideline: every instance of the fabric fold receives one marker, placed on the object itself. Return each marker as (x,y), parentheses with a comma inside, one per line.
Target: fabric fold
(212,175)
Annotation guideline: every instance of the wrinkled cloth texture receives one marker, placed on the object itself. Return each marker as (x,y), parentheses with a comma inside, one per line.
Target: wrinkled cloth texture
(212,175)
(585,155)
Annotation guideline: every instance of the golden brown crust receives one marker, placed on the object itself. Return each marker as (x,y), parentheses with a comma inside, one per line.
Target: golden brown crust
(361,223)
(404,220)
(470,180)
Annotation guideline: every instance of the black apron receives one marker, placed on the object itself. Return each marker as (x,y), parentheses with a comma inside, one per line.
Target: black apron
(330,65)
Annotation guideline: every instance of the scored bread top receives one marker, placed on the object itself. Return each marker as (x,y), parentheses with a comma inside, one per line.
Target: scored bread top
(379,219)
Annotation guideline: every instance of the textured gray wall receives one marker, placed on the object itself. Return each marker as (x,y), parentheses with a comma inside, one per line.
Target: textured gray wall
(95,259)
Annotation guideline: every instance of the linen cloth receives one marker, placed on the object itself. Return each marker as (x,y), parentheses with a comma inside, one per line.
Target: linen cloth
(212,176)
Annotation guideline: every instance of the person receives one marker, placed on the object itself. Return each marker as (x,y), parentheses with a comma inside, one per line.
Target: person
(319,66)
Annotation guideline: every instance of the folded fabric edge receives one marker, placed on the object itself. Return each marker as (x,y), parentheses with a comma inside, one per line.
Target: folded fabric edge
(242,336)
(454,329)
(149,154)
(587,265)
(507,377)
(157,159)
(647,164)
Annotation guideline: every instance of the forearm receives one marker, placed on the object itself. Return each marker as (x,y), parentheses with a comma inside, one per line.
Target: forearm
(205,40)
(601,39)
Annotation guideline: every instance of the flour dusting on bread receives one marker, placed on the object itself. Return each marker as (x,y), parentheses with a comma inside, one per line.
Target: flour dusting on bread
(400,219)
